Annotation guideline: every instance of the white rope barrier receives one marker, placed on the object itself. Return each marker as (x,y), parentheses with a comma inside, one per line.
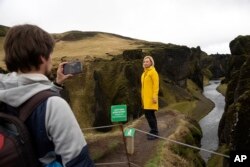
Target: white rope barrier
(100,127)
(183,144)
(111,163)
(160,137)
(115,163)
(134,164)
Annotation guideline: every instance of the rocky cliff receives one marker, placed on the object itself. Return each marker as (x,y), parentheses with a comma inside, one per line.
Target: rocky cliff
(234,128)
(215,65)
(219,65)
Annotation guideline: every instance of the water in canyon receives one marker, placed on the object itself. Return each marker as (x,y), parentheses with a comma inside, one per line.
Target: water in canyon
(209,124)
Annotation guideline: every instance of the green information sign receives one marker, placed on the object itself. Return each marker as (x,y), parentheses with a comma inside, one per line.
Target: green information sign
(130,132)
(118,113)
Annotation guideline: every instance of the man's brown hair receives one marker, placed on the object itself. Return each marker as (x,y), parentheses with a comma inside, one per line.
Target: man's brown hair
(24,45)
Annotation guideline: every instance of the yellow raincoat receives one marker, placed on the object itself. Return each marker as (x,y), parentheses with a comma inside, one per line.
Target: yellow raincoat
(150,88)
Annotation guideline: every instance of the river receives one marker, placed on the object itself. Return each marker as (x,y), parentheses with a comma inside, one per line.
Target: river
(209,124)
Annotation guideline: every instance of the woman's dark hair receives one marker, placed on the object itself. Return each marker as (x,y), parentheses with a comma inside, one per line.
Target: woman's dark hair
(24,45)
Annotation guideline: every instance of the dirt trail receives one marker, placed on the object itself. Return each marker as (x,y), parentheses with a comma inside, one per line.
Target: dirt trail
(144,149)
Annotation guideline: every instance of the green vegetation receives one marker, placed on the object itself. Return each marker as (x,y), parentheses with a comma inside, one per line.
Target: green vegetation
(240,45)
(185,107)
(99,152)
(158,156)
(205,81)
(3,30)
(189,134)
(172,155)
(222,88)
(217,160)
(207,73)
(194,90)
(2,65)
(188,106)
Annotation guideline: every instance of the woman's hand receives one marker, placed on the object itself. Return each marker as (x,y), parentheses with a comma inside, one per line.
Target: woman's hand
(154,100)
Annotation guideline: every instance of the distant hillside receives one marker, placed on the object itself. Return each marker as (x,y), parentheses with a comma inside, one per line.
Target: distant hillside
(3,30)
(81,45)
(78,35)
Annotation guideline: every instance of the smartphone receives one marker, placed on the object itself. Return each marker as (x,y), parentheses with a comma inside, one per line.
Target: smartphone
(72,68)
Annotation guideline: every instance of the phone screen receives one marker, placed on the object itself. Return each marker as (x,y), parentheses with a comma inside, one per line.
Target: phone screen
(72,68)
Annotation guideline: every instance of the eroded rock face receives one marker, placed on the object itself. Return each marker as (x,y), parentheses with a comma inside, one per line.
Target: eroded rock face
(240,45)
(234,128)
(219,65)
(179,63)
(215,66)
(117,82)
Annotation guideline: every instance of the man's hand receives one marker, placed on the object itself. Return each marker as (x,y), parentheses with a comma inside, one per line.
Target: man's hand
(60,77)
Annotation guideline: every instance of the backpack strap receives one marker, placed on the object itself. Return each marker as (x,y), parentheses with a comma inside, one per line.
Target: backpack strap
(28,107)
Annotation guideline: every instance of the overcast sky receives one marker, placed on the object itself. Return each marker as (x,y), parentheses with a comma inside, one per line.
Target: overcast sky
(210,24)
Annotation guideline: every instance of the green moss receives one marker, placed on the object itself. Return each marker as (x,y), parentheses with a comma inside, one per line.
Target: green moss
(179,155)
(155,161)
(192,137)
(167,92)
(217,160)
(193,89)
(237,107)
(191,155)
(222,88)
(196,132)
(240,45)
(3,30)
(99,153)
(185,107)
(205,81)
